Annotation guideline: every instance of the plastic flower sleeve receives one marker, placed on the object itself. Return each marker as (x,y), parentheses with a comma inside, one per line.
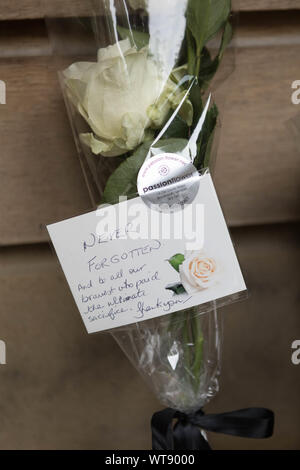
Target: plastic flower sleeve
(178,356)
(127,66)
(137,82)
(138,78)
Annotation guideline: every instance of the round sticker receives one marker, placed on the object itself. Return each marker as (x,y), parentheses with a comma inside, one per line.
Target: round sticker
(166,182)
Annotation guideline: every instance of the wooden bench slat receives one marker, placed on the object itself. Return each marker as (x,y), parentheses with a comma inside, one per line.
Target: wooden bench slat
(26,9)
(24,39)
(41,177)
(55,371)
(261,5)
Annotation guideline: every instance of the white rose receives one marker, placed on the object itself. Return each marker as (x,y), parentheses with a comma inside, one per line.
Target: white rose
(121,97)
(198,272)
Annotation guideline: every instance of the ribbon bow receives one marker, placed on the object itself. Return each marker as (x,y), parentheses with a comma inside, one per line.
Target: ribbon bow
(186,434)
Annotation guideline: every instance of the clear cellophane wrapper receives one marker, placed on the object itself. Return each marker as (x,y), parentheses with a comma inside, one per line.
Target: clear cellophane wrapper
(179,356)
(136,77)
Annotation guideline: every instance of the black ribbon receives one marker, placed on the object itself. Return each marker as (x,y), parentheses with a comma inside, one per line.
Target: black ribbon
(186,434)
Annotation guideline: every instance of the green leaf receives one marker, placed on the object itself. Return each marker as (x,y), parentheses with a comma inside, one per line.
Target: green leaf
(204,19)
(219,13)
(137,38)
(207,156)
(206,60)
(226,38)
(176,261)
(173,145)
(196,100)
(191,51)
(178,289)
(209,67)
(122,182)
(198,14)
(178,128)
(206,138)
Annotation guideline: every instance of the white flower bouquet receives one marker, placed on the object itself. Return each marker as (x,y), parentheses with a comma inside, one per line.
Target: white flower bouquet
(144,93)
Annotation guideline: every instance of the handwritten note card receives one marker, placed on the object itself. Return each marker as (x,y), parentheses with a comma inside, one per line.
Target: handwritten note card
(127,262)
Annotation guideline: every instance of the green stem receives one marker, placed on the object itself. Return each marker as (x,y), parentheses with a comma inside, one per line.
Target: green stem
(198,62)
(192,334)
(191,58)
(186,340)
(198,345)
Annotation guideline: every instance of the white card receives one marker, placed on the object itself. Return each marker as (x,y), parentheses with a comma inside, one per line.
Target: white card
(128,263)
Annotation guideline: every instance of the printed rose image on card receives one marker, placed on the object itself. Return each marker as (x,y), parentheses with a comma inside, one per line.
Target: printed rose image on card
(197,272)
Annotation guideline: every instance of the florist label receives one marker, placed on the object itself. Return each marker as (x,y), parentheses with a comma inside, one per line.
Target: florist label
(127,263)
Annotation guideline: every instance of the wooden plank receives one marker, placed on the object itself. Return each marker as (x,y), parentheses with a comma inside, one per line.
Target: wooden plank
(258,333)
(69,380)
(258,152)
(24,39)
(28,9)
(41,179)
(260,5)
(40,173)
(268,29)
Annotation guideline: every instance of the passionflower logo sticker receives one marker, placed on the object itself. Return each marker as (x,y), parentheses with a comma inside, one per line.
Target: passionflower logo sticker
(197,271)
(168,181)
